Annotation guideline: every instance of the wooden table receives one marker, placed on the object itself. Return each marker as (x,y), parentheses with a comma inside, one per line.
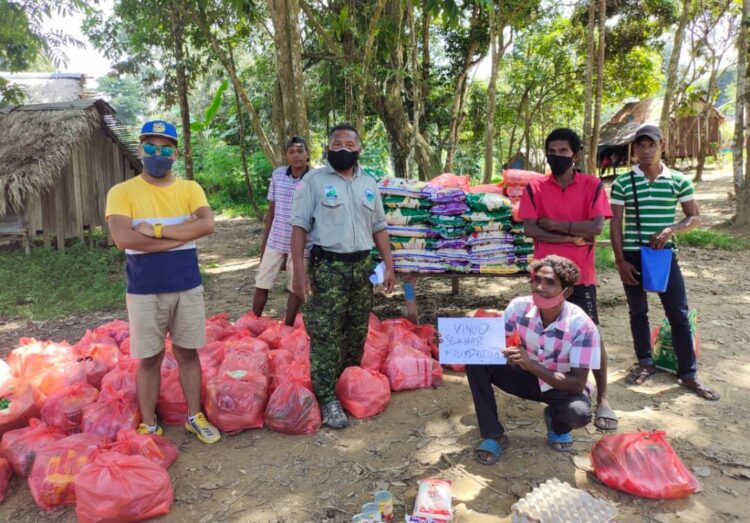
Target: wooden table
(410,280)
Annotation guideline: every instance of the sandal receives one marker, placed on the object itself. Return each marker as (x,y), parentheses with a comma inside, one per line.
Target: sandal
(639,374)
(489,450)
(605,418)
(557,442)
(700,389)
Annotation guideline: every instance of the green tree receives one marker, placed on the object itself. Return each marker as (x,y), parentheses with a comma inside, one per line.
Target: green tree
(128,97)
(23,38)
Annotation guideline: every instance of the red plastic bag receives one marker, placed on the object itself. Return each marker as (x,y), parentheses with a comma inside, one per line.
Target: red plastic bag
(59,376)
(19,401)
(428,334)
(118,330)
(363,392)
(252,362)
(496,188)
(98,354)
(6,473)
(33,357)
(278,357)
(519,177)
(293,409)
(295,371)
(643,464)
(245,342)
(114,487)
(298,343)
(274,334)
(392,323)
(172,407)
(451,180)
(216,325)
(156,448)
(236,400)
(120,380)
(56,466)
(408,368)
(107,417)
(376,345)
(211,354)
(125,347)
(255,324)
(63,409)
(401,336)
(20,446)
(483,313)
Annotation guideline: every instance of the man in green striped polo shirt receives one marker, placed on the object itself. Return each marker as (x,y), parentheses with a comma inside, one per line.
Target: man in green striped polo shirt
(658,189)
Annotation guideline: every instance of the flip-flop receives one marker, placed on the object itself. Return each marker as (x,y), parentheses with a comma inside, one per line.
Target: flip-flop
(701,390)
(639,374)
(556,439)
(492,448)
(604,412)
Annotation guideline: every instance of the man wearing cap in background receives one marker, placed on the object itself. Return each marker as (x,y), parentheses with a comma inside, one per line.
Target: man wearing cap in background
(338,212)
(277,234)
(649,194)
(155,218)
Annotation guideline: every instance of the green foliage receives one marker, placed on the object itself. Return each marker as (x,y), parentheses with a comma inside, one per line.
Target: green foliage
(218,168)
(712,239)
(605,259)
(127,96)
(52,284)
(211,110)
(24,39)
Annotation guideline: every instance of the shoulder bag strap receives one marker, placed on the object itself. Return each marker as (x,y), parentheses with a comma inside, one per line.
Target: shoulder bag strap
(637,210)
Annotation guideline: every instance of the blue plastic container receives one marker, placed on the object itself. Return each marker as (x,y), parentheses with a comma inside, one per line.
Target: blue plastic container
(656,265)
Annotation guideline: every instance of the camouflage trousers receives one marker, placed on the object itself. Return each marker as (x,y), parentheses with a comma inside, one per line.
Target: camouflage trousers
(336,318)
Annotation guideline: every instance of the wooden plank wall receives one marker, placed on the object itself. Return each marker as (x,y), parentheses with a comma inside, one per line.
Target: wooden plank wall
(79,198)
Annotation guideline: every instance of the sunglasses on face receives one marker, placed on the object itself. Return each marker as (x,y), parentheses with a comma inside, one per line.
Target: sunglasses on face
(164,150)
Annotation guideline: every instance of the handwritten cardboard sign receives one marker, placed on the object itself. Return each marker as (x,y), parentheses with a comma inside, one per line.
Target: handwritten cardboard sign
(473,341)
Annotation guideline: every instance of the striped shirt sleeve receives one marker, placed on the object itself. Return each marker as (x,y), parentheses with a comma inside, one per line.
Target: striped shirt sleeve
(617,194)
(272,188)
(585,352)
(686,190)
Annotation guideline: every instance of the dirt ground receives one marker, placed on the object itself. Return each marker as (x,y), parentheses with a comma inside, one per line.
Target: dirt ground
(262,476)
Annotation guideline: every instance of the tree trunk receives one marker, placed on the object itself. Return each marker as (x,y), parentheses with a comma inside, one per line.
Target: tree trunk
(588,82)
(178,26)
(674,60)
(460,94)
(594,151)
(496,36)
(273,156)
(703,120)
(243,153)
(285,18)
(741,145)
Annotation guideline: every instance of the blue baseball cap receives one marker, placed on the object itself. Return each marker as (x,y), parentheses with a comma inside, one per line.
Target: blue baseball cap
(159,128)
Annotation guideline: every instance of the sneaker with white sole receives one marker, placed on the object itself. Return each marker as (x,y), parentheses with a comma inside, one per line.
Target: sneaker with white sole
(201,427)
(334,416)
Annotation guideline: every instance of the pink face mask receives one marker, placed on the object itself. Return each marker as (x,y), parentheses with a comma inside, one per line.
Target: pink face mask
(547,303)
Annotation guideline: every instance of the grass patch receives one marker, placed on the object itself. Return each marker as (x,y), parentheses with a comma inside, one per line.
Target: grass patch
(605,258)
(50,284)
(712,239)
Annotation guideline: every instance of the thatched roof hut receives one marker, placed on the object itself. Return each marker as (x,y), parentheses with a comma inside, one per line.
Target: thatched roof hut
(688,130)
(57,162)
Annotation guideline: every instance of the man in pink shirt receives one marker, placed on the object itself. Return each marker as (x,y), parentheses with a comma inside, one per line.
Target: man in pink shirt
(564,213)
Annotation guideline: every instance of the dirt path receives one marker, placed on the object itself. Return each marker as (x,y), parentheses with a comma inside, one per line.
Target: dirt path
(262,476)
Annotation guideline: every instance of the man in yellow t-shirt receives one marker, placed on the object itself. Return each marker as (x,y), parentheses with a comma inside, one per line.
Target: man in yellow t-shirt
(156,218)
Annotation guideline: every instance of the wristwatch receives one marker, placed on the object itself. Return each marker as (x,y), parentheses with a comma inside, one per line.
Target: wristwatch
(157,230)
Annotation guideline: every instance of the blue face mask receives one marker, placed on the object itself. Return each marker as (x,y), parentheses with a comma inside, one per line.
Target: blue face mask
(158,166)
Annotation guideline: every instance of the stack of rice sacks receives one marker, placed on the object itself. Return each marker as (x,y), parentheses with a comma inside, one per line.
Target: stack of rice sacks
(447,219)
(407,211)
(515,182)
(490,242)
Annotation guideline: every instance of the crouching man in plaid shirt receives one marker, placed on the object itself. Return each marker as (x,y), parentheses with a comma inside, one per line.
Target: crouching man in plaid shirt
(557,345)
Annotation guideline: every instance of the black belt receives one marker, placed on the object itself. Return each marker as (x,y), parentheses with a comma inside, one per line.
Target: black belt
(319,253)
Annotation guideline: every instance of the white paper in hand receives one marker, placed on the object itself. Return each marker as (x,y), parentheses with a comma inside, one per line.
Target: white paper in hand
(378,275)
(472,341)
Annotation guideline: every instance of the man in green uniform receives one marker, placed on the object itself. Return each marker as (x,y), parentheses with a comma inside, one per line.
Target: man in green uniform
(338,212)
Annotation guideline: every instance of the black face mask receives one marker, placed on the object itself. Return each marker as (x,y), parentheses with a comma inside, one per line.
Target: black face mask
(559,164)
(343,159)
